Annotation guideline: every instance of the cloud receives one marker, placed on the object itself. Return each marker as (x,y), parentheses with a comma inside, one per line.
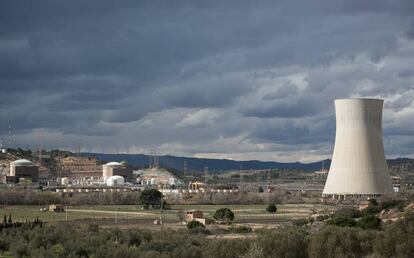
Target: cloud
(236,79)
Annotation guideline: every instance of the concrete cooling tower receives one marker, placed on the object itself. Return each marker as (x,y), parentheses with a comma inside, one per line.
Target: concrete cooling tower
(358,167)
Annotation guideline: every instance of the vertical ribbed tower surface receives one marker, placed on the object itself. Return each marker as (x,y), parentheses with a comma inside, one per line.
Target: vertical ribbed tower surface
(358,164)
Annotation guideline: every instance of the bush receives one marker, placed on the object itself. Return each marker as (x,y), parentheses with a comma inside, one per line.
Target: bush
(241,229)
(371,210)
(285,242)
(341,242)
(349,213)
(4,246)
(320,218)
(226,248)
(300,222)
(369,222)
(397,240)
(390,204)
(342,221)
(195,224)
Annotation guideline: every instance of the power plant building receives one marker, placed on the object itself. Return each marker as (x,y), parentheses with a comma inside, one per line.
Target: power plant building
(358,167)
(117,169)
(23,169)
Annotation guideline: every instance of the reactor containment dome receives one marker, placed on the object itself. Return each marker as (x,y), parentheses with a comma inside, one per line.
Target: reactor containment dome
(358,167)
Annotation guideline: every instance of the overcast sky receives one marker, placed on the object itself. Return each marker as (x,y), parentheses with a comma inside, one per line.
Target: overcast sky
(222,79)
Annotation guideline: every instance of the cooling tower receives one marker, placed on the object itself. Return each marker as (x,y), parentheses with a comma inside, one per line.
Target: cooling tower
(358,165)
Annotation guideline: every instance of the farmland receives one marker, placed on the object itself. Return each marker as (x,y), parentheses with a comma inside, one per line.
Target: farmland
(132,215)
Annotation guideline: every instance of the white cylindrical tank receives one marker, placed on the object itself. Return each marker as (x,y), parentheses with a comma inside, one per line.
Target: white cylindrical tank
(115,181)
(64,181)
(358,163)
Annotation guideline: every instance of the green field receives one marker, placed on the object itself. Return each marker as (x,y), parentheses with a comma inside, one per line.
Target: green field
(133,215)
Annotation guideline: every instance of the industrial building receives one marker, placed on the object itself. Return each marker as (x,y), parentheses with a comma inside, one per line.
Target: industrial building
(196,215)
(358,167)
(78,167)
(23,169)
(117,169)
(157,176)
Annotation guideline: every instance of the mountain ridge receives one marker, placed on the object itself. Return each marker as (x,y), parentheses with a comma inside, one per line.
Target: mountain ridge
(198,164)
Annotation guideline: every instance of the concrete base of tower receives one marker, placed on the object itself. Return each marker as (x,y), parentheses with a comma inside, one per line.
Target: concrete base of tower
(340,197)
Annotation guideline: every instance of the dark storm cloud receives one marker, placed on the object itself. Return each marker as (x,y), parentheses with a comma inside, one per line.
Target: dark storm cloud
(222,74)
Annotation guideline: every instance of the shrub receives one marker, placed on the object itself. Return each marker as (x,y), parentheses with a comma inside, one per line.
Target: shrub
(285,242)
(371,210)
(241,229)
(300,222)
(320,218)
(4,246)
(342,221)
(195,224)
(369,222)
(349,213)
(226,248)
(397,240)
(341,242)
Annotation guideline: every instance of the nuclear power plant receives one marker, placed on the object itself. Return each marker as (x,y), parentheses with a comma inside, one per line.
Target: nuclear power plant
(358,167)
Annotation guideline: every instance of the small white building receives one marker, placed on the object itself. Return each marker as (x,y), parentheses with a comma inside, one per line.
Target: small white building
(115,181)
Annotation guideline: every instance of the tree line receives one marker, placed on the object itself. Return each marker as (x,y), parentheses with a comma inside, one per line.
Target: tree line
(63,240)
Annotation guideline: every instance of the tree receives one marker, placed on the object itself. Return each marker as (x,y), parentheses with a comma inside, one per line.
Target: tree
(272,209)
(150,198)
(224,214)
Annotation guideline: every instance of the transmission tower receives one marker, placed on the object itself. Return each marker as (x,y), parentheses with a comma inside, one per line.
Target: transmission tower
(268,188)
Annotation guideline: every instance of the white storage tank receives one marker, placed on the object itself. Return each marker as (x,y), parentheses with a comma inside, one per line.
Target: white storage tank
(115,181)
(153,181)
(64,181)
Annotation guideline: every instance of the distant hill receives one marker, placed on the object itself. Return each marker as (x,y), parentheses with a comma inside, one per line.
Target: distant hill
(198,164)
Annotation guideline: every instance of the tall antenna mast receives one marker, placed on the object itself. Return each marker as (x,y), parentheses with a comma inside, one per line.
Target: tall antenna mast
(10,133)
(185,168)
(241,178)
(205,176)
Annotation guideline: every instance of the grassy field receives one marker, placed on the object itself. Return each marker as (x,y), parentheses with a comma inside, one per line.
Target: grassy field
(133,215)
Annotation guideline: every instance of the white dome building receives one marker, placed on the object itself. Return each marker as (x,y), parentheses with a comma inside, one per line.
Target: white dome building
(22,162)
(23,168)
(115,181)
(116,169)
